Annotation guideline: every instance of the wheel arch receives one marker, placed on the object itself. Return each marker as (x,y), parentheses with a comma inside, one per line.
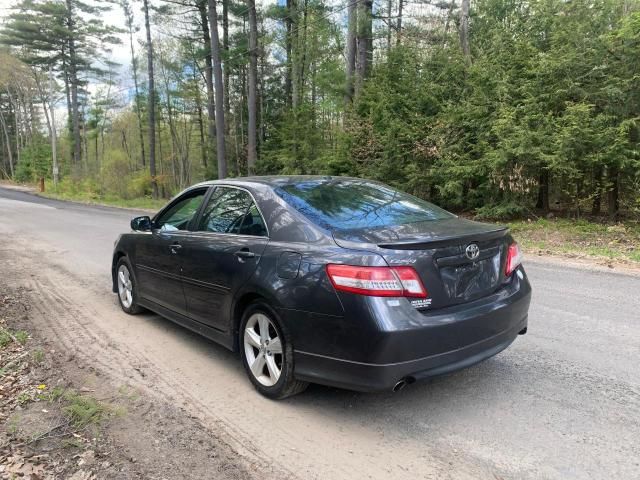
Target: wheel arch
(240,304)
(117,255)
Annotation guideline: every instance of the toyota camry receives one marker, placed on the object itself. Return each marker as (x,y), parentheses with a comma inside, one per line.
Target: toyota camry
(331,280)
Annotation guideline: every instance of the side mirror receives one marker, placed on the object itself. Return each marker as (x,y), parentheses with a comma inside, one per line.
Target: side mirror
(141,224)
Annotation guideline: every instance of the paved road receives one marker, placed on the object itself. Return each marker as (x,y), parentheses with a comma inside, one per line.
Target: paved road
(562,403)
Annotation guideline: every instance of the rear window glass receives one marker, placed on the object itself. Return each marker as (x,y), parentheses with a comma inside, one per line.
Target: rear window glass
(348,205)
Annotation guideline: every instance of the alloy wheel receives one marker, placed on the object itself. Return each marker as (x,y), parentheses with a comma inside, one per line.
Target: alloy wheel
(263,349)
(125,286)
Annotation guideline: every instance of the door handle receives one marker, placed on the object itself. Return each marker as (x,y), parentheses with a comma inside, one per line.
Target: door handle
(175,248)
(244,253)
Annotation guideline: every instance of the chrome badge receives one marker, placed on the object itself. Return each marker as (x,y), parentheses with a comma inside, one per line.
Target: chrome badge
(472,251)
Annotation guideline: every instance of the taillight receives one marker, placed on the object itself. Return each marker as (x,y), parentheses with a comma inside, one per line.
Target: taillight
(514,258)
(377,281)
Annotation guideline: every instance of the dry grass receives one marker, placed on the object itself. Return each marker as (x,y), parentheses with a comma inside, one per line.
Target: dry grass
(581,238)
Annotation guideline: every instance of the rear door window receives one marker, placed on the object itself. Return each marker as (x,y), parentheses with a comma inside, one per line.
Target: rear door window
(232,210)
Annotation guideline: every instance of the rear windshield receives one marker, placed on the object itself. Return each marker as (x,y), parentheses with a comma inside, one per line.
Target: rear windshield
(352,204)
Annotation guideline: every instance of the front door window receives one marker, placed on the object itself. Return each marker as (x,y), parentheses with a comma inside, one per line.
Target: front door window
(178,215)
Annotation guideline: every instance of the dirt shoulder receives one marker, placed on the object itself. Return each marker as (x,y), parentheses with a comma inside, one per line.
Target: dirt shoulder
(61,417)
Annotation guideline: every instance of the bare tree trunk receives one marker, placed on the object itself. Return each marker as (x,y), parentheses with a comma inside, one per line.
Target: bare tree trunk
(464,29)
(298,50)
(369,38)
(48,107)
(208,78)
(73,81)
(543,191)
(399,23)
(613,200)
(67,91)
(7,142)
(302,52)
(295,53)
(597,196)
(389,7)
(16,110)
(314,93)
(225,48)
(241,161)
(252,153)
(198,98)
(134,68)
(289,49)
(263,75)
(364,42)
(83,142)
(26,121)
(351,49)
(152,104)
(219,88)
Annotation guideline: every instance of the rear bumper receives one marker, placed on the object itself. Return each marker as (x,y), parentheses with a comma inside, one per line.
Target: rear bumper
(413,345)
(367,377)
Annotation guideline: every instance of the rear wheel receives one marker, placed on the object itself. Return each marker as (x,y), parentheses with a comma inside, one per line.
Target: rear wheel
(267,353)
(127,287)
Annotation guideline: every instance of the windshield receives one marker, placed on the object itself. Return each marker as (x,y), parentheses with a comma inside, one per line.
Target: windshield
(354,204)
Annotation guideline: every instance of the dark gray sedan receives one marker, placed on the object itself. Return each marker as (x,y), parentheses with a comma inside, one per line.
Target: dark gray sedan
(332,280)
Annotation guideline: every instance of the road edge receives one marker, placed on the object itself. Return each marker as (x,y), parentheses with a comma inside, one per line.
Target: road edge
(32,191)
(594,264)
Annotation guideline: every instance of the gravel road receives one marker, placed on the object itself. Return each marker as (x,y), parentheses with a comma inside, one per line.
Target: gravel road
(563,402)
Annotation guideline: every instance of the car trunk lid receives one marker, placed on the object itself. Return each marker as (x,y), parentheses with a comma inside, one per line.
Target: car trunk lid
(437,249)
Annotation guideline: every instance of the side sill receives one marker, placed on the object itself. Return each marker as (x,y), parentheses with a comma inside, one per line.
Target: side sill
(223,338)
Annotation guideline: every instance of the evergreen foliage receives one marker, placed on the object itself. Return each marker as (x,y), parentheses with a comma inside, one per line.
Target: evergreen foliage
(521,107)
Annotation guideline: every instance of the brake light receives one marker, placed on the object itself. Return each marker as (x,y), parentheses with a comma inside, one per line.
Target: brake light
(514,258)
(377,281)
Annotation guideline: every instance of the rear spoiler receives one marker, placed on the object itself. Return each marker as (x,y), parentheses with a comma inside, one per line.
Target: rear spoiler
(419,244)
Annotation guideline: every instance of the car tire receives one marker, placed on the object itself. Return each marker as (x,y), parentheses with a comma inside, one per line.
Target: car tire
(267,353)
(127,287)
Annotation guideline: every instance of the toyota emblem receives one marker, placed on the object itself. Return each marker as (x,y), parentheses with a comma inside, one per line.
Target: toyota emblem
(472,251)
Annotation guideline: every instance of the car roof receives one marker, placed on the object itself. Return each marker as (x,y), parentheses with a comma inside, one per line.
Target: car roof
(277,180)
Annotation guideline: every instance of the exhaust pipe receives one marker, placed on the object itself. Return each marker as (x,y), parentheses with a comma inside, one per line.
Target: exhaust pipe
(400,385)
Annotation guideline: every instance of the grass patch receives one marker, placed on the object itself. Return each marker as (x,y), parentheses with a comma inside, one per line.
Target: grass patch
(5,338)
(128,392)
(73,443)
(91,197)
(38,356)
(82,410)
(614,241)
(24,398)
(21,336)
(52,395)
(13,424)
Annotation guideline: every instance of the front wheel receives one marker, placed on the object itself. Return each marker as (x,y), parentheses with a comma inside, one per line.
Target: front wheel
(267,355)
(127,287)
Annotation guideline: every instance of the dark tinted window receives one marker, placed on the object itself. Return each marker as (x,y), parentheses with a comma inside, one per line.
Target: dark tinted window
(231,210)
(349,204)
(253,224)
(180,213)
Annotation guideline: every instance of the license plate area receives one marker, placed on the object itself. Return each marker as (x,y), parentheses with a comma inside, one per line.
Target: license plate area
(469,280)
